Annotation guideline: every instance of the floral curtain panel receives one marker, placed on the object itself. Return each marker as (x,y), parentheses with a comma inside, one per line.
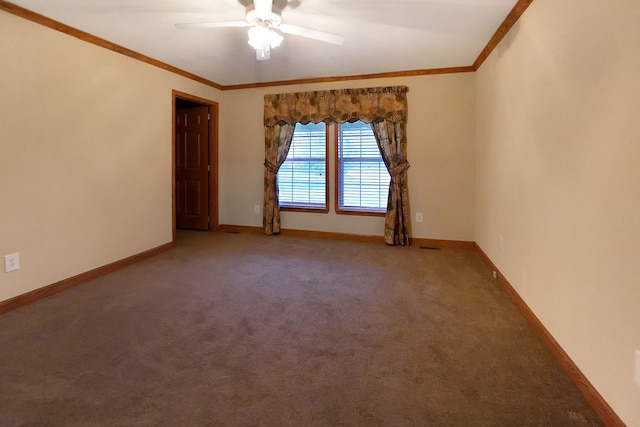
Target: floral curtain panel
(392,142)
(277,141)
(384,107)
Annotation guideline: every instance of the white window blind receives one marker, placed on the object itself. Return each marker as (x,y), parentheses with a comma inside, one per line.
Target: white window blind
(302,178)
(363,179)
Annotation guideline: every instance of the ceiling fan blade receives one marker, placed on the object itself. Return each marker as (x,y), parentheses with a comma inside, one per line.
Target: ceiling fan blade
(212,24)
(263,8)
(312,34)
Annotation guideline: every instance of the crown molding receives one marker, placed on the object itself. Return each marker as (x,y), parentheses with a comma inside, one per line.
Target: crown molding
(502,31)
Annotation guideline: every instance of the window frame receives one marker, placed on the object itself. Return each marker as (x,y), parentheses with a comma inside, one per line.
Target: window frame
(310,209)
(349,211)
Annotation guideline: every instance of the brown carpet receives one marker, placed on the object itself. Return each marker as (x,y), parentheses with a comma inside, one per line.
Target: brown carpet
(250,330)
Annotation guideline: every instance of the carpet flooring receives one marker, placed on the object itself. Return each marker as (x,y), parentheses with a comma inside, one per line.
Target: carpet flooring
(252,330)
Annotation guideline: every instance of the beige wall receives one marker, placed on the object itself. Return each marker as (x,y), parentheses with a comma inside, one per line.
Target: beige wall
(85,154)
(558,179)
(440,150)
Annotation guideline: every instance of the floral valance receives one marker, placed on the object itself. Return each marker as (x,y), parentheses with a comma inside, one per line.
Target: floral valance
(341,105)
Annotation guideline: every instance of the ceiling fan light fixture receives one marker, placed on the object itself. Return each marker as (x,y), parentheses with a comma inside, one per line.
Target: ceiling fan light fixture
(262,39)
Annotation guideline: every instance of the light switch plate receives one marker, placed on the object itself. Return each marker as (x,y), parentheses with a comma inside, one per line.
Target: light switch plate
(11,262)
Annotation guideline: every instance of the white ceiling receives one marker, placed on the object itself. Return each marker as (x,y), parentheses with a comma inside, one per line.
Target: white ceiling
(380,35)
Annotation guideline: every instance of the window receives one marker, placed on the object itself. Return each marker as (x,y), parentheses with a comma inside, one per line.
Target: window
(302,178)
(363,179)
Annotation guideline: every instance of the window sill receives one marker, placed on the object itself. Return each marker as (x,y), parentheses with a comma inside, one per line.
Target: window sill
(304,209)
(361,212)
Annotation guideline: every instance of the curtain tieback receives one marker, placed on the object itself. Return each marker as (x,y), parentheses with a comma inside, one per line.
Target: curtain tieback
(270,166)
(399,169)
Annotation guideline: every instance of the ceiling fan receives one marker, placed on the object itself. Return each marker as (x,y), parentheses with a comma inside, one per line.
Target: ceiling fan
(264,20)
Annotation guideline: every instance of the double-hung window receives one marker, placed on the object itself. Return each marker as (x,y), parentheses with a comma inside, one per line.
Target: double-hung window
(302,178)
(362,177)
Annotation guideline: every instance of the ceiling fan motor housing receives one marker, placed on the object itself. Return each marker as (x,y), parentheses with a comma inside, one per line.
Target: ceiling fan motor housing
(269,20)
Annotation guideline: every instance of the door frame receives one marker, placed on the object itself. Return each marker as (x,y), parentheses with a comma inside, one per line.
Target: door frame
(213,158)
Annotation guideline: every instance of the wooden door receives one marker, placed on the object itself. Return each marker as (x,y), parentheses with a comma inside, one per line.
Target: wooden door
(192,168)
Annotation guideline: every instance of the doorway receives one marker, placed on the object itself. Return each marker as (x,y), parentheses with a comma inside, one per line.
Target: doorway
(195,163)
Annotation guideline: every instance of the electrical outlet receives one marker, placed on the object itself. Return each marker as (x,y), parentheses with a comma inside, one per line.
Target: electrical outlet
(256,208)
(419,217)
(11,262)
(638,367)
(494,274)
